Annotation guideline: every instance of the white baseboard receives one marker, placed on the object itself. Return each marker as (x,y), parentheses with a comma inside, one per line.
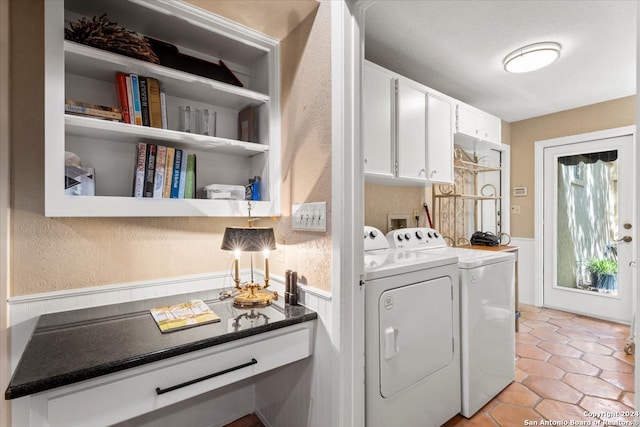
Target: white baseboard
(526,285)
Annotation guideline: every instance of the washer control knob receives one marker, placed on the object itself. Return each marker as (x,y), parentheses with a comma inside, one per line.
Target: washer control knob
(373,234)
(435,234)
(429,234)
(419,235)
(400,237)
(407,236)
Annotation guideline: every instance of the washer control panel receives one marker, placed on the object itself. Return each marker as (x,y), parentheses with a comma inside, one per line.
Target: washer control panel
(415,238)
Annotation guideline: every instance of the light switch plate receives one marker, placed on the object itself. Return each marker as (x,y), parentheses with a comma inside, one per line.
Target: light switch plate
(309,216)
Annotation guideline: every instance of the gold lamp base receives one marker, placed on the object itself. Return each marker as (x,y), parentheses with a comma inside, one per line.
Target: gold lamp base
(253,295)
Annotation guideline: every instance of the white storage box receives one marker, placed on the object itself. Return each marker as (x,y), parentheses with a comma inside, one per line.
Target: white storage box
(224,192)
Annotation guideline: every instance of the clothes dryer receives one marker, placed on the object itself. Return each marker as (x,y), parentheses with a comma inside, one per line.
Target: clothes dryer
(487,313)
(412,338)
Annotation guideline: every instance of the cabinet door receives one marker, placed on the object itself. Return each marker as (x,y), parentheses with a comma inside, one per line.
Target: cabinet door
(412,121)
(491,129)
(379,88)
(439,139)
(468,121)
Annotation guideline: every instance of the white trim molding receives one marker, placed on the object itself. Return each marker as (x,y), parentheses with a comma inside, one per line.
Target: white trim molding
(5,208)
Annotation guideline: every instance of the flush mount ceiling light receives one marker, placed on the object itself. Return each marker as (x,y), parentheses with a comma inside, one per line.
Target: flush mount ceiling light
(532,57)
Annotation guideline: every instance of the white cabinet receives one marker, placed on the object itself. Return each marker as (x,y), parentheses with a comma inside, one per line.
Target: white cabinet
(412,126)
(379,94)
(477,124)
(408,130)
(87,74)
(439,138)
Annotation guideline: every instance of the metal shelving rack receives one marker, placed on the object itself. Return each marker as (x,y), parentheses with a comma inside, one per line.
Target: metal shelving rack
(459,205)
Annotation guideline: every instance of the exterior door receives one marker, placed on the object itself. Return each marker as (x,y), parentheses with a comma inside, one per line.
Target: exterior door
(588,226)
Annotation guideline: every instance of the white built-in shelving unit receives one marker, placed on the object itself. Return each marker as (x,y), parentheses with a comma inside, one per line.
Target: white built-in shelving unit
(84,73)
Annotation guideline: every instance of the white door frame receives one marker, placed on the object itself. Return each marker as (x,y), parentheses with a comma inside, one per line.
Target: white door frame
(5,209)
(539,196)
(347,57)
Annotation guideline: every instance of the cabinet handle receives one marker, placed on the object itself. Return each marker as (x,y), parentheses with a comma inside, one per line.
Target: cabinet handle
(160,391)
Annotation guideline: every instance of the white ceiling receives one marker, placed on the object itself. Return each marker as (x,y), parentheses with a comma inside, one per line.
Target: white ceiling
(457,48)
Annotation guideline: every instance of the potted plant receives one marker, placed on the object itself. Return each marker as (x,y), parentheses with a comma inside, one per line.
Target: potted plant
(604,274)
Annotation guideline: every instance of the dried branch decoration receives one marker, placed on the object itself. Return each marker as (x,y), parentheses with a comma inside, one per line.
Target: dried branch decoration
(104,34)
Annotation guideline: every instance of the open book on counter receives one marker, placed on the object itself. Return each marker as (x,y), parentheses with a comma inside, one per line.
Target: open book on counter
(185,315)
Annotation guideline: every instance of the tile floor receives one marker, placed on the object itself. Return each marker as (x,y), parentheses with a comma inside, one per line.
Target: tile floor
(567,365)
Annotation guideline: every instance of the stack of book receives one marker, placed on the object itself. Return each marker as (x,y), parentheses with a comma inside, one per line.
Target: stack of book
(142,100)
(92,110)
(164,172)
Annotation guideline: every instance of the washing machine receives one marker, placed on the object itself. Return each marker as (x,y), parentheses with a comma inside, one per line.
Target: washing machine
(487,313)
(412,336)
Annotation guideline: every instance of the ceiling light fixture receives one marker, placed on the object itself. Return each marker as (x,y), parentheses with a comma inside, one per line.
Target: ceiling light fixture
(532,57)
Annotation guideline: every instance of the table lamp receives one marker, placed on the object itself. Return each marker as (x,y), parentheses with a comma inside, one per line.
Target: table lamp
(250,239)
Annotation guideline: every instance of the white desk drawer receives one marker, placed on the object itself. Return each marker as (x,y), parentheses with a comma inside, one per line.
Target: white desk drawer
(118,397)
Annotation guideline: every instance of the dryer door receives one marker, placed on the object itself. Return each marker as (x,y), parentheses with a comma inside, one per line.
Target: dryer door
(416,333)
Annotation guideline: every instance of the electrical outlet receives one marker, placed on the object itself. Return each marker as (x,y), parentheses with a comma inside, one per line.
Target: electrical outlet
(515,209)
(309,216)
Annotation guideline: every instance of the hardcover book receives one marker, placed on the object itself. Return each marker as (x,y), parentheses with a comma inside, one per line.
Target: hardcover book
(163,105)
(190,188)
(144,100)
(135,94)
(138,176)
(158,182)
(168,172)
(185,315)
(155,107)
(98,112)
(183,175)
(150,172)
(121,85)
(132,113)
(175,180)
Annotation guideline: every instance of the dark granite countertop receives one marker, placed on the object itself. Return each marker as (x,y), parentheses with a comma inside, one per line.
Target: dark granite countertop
(73,346)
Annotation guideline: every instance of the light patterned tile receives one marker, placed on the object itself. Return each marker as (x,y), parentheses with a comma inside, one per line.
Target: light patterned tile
(549,335)
(608,362)
(622,380)
(549,388)
(560,349)
(592,386)
(598,405)
(576,366)
(554,410)
(527,339)
(518,394)
(540,368)
(531,351)
(512,415)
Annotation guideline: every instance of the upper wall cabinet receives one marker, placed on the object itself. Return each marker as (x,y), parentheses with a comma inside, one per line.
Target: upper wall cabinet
(411,130)
(477,124)
(408,130)
(379,95)
(226,74)
(439,138)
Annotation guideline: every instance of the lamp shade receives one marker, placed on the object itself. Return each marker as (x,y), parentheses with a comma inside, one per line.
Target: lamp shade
(248,239)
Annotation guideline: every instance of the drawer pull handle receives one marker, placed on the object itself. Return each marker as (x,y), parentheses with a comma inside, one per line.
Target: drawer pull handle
(160,391)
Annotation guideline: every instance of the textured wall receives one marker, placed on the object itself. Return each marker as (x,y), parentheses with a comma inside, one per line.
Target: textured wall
(382,200)
(51,254)
(306,136)
(524,134)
